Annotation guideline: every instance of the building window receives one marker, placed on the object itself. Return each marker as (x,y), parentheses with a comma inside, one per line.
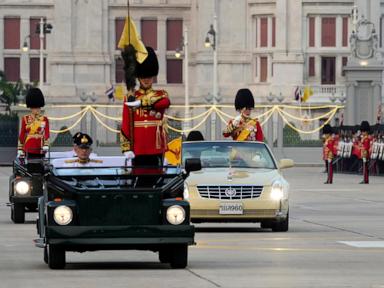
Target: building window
(174,71)
(12,33)
(34,39)
(34,70)
(263,32)
(345,31)
(381,32)
(149,33)
(174,34)
(311,66)
(273,31)
(119,70)
(328,32)
(12,69)
(344,61)
(311,32)
(328,70)
(119,27)
(263,69)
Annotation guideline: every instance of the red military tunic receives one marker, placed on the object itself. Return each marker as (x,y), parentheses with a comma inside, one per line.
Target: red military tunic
(365,146)
(329,148)
(34,133)
(149,136)
(244,129)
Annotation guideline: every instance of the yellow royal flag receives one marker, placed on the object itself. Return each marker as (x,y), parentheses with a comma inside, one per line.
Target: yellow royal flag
(119,91)
(308,92)
(173,153)
(134,39)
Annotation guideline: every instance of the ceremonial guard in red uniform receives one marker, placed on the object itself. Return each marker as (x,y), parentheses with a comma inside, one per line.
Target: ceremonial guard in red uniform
(329,151)
(143,137)
(365,145)
(34,131)
(243,127)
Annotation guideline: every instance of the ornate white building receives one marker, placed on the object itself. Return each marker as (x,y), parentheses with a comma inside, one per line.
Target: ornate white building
(270,46)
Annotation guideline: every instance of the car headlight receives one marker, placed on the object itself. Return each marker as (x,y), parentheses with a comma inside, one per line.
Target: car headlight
(22,187)
(63,215)
(186,191)
(175,215)
(277,191)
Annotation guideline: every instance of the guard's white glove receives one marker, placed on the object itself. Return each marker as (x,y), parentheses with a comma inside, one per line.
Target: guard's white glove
(133,104)
(129,155)
(236,121)
(45,148)
(20,153)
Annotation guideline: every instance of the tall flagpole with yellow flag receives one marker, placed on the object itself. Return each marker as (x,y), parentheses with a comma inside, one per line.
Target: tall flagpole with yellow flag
(133,50)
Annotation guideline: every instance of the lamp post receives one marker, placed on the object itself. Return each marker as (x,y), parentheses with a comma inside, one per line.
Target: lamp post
(184,45)
(212,33)
(42,28)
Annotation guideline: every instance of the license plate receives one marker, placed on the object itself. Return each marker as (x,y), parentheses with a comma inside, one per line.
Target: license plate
(231,208)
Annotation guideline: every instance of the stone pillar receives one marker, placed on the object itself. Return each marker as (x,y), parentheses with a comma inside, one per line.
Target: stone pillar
(24,57)
(162,50)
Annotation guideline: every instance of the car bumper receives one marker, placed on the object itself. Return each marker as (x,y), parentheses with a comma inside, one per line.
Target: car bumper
(26,200)
(253,211)
(120,235)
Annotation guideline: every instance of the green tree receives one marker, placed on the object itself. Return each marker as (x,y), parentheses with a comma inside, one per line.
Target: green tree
(9,91)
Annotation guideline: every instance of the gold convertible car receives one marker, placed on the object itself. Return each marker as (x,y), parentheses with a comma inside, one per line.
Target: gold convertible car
(238,182)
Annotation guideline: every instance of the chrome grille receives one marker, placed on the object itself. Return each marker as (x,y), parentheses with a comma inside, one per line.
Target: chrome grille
(228,192)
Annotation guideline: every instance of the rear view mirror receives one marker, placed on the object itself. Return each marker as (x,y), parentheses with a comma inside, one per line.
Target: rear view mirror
(192,164)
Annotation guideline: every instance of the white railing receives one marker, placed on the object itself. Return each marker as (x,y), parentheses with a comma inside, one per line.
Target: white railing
(326,93)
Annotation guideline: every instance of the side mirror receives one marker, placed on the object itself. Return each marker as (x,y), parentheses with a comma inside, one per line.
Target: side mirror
(192,164)
(286,163)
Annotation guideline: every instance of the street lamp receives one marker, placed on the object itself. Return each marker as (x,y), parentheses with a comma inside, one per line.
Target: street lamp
(42,28)
(184,45)
(210,41)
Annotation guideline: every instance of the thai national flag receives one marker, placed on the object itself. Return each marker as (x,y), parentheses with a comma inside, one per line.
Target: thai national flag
(110,94)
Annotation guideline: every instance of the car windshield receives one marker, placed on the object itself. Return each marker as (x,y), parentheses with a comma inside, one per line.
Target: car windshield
(114,171)
(225,154)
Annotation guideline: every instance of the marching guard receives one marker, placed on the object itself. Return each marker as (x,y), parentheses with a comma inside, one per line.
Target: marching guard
(329,152)
(243,127)
(34,131)
(365,144)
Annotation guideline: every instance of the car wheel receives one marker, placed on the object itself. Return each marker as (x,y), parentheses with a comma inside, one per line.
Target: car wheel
(18,213)
(56,257)
(46,255)
(281,226)
(164,255)
(179,256)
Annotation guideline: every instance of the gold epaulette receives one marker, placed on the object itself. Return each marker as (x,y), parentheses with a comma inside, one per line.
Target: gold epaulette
(71,161)
(96,161)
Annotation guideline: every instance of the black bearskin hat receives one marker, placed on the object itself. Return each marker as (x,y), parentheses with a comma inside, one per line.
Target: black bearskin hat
(364,126)
(327,129)
(34,98)
(149,67)
(244,99)
(195,135)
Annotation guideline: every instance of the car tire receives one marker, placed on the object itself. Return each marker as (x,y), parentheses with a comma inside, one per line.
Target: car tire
(45,255)
(179,256)
(164,255)
(56,257)
(281,226)
(17,213)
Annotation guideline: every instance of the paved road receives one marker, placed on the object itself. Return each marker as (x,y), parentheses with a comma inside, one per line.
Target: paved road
(336,239)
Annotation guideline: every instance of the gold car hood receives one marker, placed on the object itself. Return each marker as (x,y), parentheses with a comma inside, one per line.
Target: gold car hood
(234,176)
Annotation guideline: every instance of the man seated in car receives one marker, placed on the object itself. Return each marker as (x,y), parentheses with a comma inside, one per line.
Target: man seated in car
(82,147)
